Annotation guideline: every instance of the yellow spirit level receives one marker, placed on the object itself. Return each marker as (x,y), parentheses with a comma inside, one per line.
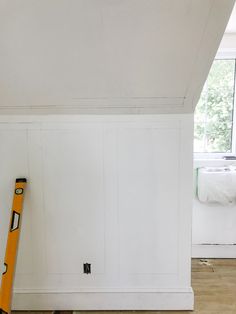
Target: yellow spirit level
(11,248)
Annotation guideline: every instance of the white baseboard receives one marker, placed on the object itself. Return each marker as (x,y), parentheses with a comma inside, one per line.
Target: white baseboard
(213,251)
(174,300)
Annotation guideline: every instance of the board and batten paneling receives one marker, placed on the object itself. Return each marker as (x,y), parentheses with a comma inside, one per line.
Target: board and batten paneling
(106,191)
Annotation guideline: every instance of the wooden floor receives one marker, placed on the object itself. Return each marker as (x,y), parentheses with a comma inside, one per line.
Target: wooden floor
(214,285)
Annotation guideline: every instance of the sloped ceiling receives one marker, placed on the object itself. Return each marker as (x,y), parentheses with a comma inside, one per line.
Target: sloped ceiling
(231,27)
(107,56)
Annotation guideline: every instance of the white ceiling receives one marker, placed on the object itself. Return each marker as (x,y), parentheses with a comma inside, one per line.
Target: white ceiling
(231,27)
(107,56)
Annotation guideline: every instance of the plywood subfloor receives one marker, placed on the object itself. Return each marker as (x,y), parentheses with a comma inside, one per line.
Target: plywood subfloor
(214,284)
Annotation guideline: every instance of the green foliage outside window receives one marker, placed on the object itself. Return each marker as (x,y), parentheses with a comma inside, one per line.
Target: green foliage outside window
(214,112)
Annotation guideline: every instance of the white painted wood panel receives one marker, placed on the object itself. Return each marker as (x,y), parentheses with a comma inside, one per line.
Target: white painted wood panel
(74,199)
(107,191)
(146,212)
(14,163)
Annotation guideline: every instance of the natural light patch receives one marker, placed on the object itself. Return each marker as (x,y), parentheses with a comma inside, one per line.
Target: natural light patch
(214,112)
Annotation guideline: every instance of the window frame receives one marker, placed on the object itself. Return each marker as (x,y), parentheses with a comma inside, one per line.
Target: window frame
(224,55)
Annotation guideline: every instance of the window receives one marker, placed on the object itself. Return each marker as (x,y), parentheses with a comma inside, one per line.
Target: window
(214,114)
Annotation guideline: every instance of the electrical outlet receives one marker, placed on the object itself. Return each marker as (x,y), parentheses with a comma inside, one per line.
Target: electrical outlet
(87,268)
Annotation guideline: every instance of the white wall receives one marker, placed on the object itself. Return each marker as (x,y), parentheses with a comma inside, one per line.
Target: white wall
(213,232)
(107,191)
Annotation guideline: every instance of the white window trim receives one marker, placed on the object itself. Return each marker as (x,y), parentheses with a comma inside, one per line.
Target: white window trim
(223,54)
